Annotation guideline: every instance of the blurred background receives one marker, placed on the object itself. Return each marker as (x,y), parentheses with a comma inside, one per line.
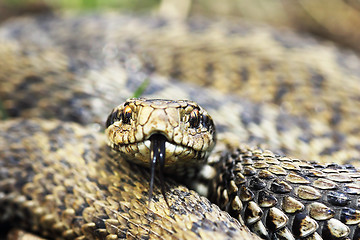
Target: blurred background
(336,20)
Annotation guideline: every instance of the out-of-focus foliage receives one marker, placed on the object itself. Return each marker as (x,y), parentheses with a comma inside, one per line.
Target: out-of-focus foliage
(336,20)
(87,4)
(13,8)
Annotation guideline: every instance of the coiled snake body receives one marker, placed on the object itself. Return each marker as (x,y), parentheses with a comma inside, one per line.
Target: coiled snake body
(269,89)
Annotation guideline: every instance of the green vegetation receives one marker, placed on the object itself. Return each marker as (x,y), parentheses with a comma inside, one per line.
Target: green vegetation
(107,4)
(3,114)
(140,90)
(88,4)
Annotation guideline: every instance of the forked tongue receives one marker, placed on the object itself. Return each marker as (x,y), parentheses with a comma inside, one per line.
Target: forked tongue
(157,149)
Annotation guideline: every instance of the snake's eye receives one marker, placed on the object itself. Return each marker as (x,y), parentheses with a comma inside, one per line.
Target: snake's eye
(126,115)
(194,119)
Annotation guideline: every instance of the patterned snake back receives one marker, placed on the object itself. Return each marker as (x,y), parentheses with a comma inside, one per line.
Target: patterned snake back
(269,89)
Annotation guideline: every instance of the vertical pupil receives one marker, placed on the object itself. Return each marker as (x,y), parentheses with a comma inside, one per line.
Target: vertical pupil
(194,118)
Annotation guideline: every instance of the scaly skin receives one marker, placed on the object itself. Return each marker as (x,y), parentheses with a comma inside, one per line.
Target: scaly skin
(73,189)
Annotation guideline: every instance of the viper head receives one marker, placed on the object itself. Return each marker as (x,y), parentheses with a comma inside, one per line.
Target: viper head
(186,129)
(174,135)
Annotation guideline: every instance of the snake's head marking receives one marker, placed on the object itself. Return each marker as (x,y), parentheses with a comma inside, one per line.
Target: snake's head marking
(188,131)
(176,135)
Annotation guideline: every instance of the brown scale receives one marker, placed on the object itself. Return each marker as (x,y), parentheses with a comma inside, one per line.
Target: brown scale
(46,189)
(284,198)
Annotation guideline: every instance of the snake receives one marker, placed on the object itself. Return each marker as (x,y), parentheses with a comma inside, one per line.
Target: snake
(264,89)
(174,135)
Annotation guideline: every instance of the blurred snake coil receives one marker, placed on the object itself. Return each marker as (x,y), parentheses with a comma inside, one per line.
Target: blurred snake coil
(299,97)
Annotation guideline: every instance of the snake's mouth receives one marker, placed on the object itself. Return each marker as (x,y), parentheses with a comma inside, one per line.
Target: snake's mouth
(157,136)
(176,154)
